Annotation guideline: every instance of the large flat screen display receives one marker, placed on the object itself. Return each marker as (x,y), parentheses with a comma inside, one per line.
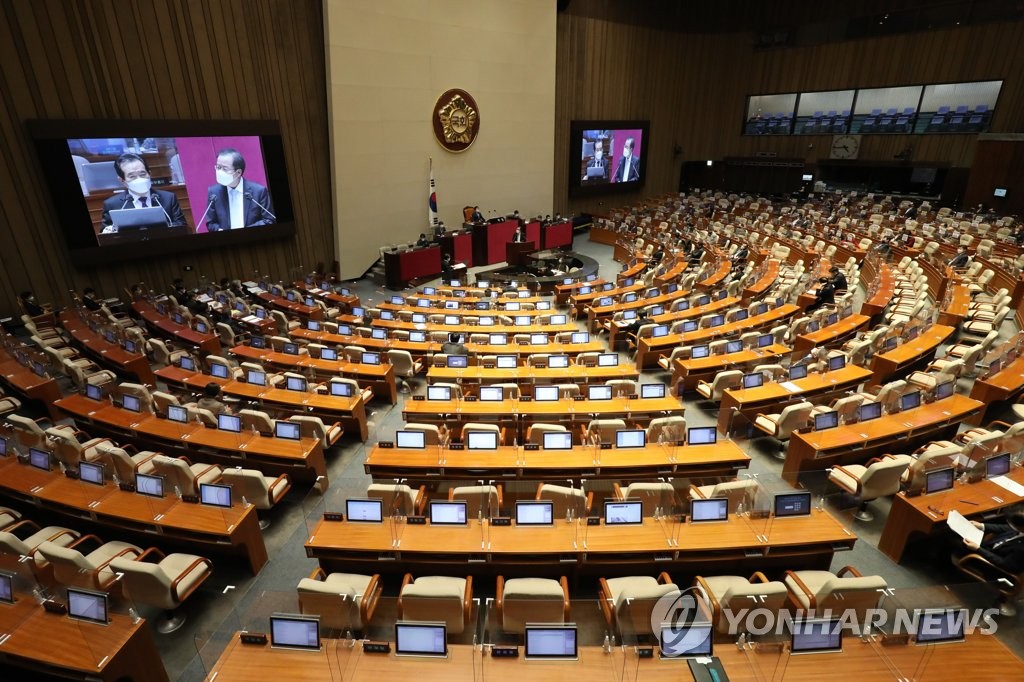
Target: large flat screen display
(127,188)
(607,156)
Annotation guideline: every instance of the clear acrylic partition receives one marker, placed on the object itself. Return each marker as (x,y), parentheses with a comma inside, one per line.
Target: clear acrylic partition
(25,591)
(759,515)
(85,637)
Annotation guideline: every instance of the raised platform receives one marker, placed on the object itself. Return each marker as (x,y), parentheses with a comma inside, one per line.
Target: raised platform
(537,272)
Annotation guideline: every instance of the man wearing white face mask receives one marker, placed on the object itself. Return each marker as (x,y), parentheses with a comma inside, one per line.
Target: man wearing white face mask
(236,202)
(133,173)
(597,168)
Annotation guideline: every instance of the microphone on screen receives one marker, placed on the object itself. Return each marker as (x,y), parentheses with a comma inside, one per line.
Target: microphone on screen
(248,195)
(211,199)
(156,200)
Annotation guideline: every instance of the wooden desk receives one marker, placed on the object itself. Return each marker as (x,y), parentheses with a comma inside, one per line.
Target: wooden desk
(564,291)
(572,547)
(26,384)
(772,397)
(673,316)
(351,412)
(519,414)
(525,375)
(715,278)
(690,372)
(1006,384)
(302,460)
(877,301)
(194,528)
(760,287)
(507,462)
(380,378)
(831,334)
(48,644)
(650,349)
(908,356)
(954,312)
(165,326)
(294,308)
(463,328)
(596,314)
(105,353)
(891,433)
(579,301)
(912,518)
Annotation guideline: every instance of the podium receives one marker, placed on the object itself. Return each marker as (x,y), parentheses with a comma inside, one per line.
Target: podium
(515,252)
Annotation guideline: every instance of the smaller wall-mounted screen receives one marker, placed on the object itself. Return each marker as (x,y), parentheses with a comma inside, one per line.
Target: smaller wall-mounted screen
(770,114)
(607,156)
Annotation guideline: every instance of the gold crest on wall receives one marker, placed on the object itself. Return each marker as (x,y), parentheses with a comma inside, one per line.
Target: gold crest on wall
(456,120)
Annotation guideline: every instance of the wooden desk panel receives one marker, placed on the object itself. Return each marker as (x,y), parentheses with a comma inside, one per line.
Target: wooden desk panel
(164,325)
(690,372)
(295,308)
(526,374)
(193,527)
(470,328)
(1006,384)
(910,355)
(24,383)
(675,316)
(302,460)
(894,433)
(831,334)
(596,314)
(108,354)
(507,462)
(878,300)
(911,517)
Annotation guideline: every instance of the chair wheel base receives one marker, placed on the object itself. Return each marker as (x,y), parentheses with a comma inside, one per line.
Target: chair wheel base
(1007,609)
(779,455)
(264,524)
(863,515)
(170,623)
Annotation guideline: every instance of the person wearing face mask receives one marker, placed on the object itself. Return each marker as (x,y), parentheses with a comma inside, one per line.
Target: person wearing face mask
(600,162)
(236,202)
(629,164)
(138,192)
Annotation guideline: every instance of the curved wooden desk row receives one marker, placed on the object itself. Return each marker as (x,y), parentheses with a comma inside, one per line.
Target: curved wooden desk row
(380,378)
(579,301)
(164,521)
(723,459)
(295,308)
(563,292)
(26,384)
(468,309)
(109,355)
(981,657)
(760,287)
(650,349)
(351,412)
(302,460)
(526,374)
(465,328)
(877,301)
(773,396)
(595,315)
(690,372)
(831,334)
(674,316)
(889,434)
(182,333)
(41,644)
(520,414)
(576,548)
(910,355)
(1006,384)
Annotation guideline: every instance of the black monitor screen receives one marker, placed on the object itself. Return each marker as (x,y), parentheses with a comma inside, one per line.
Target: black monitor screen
(686,641)
(481,440)
(938,480)
(550,642)
(817,636)
(87,605)
(826,420)
(91,472)
(793,504)
(869,411)
(6,587)
(940,626)
(997,465)
(153,486)
(837,362)
(909,401)
(340,389)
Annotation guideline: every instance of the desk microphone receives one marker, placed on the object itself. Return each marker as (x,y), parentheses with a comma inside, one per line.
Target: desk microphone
(248,195)
(210,201)
(156,200)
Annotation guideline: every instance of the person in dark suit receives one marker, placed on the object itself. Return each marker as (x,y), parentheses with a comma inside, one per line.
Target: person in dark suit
(519,236)
(235,202)
(961,259)
(1003,544)
(838,279)
(599,161)
(422,241)
(741,254)
(138,192)
(826,294)
(478,217)
(629,165)
(90,300)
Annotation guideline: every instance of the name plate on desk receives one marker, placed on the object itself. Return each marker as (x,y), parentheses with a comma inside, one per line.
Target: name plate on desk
(505,652)
(579,398)
(606,446)
(71,473)
(386,444)
(377,647)
(501,521)
(531,446)
(334,516)
(593,520)
(419,397)
(416,520)
(525,398)
(456,446)
(51,606)
(191,499)
(259,638)
(471,398)
(126,487)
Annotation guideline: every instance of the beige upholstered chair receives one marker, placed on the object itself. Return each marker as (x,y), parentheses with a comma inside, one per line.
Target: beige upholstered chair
(92,570)
(780,426)
(880,478)
(531,600)
(485,500)
(69,451)
(12,542)
(667,429)
(256,420)
(566,499)
(344,601)
(125,462)
(166,584)
(627,603)
(139,391)
(181,474)
(815,592)
(8,516)
(740,491)
(723,380)
(314,427)
(405,367)
(535,433)
(604,429)
(262,491)
(735,593)
(653,496)
(436,598)
(622,387)
(431,433)
(30,431)
(399,498)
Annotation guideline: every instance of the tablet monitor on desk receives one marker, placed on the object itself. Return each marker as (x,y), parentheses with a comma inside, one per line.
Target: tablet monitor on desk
(215,495)
(535,513)
(583,291)
(558,361)
(386,315)
(497,339)
(558,319)
(130,346)
(229,422)
(813,326)
(219,371)
(93,392)
(40,459)
(817,636)
(733,346)
(149,485)
(909,401)
(690,326)
(700,352)
(580,337)
(590,278)
(761,308)
(512,305)
(177,413)
(522,320)
(832,318)
(997,465)
(481,440)
(557,440)
(379,333)
(295,384)
(629,298)
(890,343)
(623,512)
(492,394)
(701,435)
(256,377)
(538,339)
(90,472)
(550,642)
(370,358)
(506,362)
(412,440)
(741,315)
(178,318)
(261,313)
(419,318)
(439,393)
(451,319)
(717,321)
(753,380)
(329,354)
(295,632)
(797,372)
(313,326)
(945,389)
(630,438)
(684,641)
(545,393)
(358,311)
(421,639)
(659,331)
(599,392)
(713,509)
(290,348)
(291,297)
(429,291)
(481,305)
(682,305)
(940,626)
(287,430)
(340,389)
(87,605)
(364,511)
(418,337)
(702,300)
(448,513)
(792,504)
(6,587)
(837,362)
(869,411)
(652,390)
(826,420)
(608,360)
(458,361)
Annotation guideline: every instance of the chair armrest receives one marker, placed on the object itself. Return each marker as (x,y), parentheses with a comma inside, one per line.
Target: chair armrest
(759,577)
(499,597)
(272,488)
(318,574)
(715,607)
(966,564)
(467,600)
(421,500)
(590,501)
(184,574)
(847,473)
(82,539)
(371,597)
(999,423)
(19,524)
(106,564)
(501,496)
(604,600)
(665,579)
(618,490)
(564,582)
(406,580)
(58,534)
(849,570)
(811,600)
(150,552)
(694,490)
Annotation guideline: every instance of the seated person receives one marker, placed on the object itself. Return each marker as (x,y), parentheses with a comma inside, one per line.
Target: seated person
(826,294)
(961,259)
(1003,544)
(28,302)
(89,299)
(741,254)
(478,217)
(454,345)
(422,241)
(209,401)
(838,279)
(447,271)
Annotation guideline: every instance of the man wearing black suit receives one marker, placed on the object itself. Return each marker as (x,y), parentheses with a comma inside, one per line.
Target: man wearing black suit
(236,202)
(599,161)
(629,165)
(138,192)
(1002,544)
(478,217)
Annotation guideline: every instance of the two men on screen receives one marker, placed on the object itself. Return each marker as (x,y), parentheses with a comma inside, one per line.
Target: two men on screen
(629,165)
(235,202)
(138,192)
